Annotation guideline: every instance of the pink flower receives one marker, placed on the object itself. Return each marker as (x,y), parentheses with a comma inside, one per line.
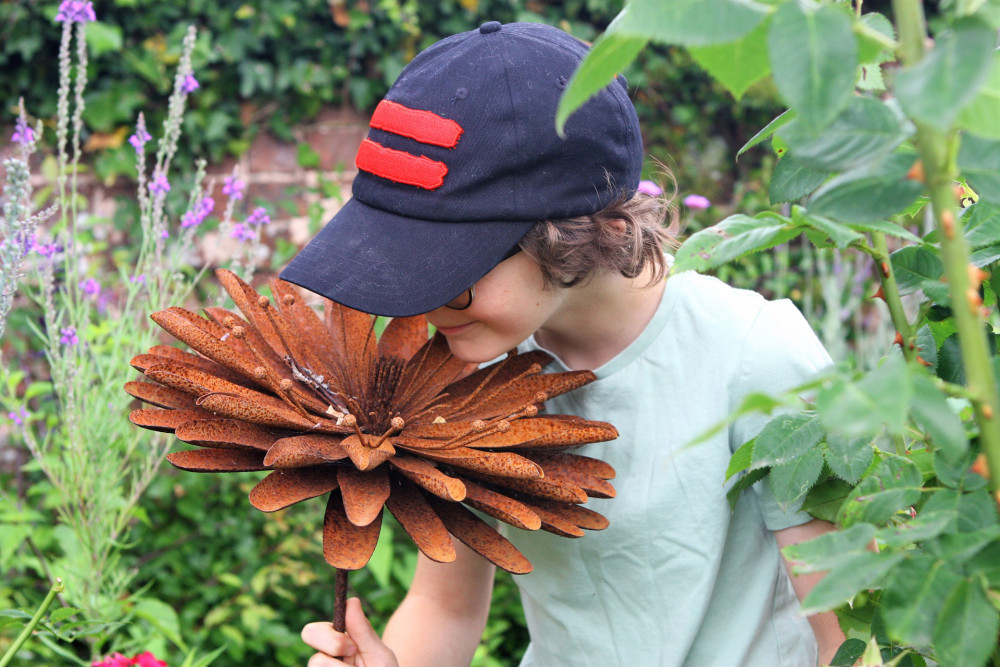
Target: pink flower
(259,216)
(147,659)
(76,11)
(189,84)
(90,286)
(141,136)
(46,249)
(159,185)
(69,336)
(198,213)
(18,417)
(697,202)
(23,134)
(649,188)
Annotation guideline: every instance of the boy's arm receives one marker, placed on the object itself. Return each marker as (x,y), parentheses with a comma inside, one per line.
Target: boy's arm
(441,619)
(825,626)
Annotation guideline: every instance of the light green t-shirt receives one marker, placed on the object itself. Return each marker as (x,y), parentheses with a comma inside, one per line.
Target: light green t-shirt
(677,579)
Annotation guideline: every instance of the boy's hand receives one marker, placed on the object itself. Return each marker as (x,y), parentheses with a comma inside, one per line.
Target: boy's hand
(359,646)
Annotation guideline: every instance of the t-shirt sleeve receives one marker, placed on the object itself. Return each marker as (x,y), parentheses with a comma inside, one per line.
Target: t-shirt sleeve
(780,351)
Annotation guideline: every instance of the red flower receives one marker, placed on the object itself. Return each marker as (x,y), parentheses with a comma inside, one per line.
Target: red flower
(147,659)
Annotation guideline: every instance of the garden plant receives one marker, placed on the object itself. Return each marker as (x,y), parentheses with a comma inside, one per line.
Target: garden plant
(885,121)
(892,123)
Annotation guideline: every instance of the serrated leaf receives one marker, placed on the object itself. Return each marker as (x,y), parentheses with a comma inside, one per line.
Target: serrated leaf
(868,193)
(690,22)
(734,237)
(916,267)
(830,549)
(868,28)
(985,256)
(859,572)
(849,458)
(741,458)
(926,346)
(885,227)
(825,499)
(793,480)
(841,235)
(894,484)
(881,398)
(982,116)
(813,56)
(967,626)
(929,409)
(926,526)
(784,438)
(848,653)
(611,53)
(864,131)
(979,162)
(982,222)
(792,179)
(736,65)
(747,480)
(914,596)
(768,130)
(61,614)
(936,89)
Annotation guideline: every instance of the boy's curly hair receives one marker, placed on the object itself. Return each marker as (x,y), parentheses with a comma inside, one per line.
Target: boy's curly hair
(570,250)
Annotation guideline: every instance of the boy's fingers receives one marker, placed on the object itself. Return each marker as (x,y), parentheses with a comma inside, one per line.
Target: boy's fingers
(361,631)
(323,638)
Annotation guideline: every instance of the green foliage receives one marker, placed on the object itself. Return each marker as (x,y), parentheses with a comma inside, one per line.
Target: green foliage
(884,454)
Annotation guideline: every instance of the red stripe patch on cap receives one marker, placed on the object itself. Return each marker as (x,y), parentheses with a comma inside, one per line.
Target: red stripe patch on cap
(424,126)
(400,166)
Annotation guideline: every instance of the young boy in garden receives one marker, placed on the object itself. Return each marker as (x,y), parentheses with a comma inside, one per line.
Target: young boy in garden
(470,208)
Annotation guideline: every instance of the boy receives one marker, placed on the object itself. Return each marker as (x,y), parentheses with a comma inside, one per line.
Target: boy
(461,165)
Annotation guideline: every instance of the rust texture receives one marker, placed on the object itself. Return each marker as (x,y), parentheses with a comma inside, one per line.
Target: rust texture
(327,408)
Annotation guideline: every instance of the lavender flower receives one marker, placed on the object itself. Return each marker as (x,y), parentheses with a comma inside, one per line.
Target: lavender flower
(697,202)
(159,185)
(23,134)
(90,286)
(190,84)
(69,336)
(141,279)
(18,417)
(141,136)
(46,249)
(76,11)
(242,232)
(197,215)
(259,216)
(649,188)
(233,188)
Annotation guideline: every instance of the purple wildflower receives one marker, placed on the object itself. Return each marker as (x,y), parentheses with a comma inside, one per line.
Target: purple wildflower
(18,417)
(90,286)
(189,84)
(45,249)
(141,136)
(76,11)
(164,234)
(159,185)
(233,188)
(259,216)
(242,232)
(197,215)
(141,279)
(649,188)
(697,202)
(23,134)
(69,336)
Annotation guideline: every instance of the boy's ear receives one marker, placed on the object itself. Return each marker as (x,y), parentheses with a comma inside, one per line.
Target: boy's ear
(619,227)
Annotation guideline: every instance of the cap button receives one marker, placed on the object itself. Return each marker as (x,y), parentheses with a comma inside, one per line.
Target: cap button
(489,26)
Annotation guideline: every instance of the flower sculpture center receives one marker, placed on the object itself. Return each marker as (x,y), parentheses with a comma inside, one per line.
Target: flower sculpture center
(396,422)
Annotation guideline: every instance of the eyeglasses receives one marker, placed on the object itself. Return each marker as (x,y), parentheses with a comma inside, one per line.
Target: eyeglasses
(463,300)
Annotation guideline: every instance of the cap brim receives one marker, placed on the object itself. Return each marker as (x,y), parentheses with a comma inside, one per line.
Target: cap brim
(381,263)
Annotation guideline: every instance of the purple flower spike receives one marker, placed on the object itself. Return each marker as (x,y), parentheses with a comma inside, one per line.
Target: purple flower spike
(90,286)
(259,216)
(141,279)
(141,136)
(159,185)
(45,249)
(23,134)
(69,336)
(697,202)
(233,188)
(197,215)
(242,232)
(649,188)
(76,11)
(189,84)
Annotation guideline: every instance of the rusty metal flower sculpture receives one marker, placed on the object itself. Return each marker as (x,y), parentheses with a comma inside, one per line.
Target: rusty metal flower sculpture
(397,422)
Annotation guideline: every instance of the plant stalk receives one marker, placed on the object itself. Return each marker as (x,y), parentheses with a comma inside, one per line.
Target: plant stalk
(57,588)
(936,150)
(890,290)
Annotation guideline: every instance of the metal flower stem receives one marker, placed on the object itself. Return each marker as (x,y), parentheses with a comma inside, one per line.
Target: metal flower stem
(937,150)
(340,600)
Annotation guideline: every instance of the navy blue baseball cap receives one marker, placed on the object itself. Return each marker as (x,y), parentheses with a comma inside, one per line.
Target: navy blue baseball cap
(461,160)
